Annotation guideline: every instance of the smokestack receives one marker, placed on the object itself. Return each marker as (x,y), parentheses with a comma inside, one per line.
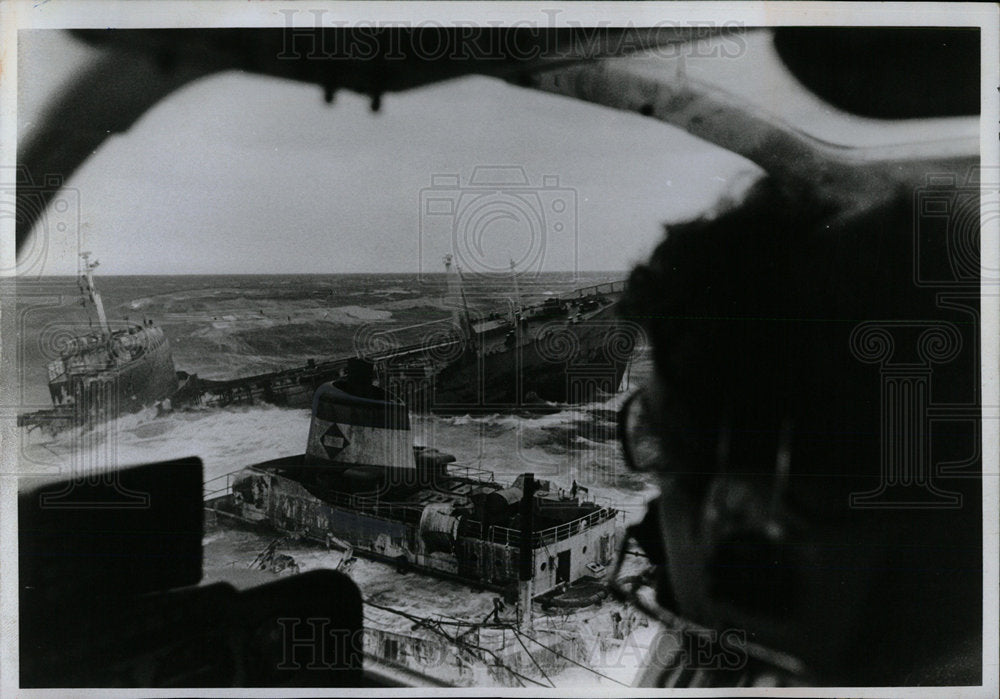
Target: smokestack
(527,567)
(360,374)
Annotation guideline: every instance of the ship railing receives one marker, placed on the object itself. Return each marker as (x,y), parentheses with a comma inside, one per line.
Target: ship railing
(563,531)
(214,487)
(257,387)
(406,350)
(512,537)
(602,289)
(601,500)
(366,505)
(505,536)
(400,339)
(374,505)
(471,473)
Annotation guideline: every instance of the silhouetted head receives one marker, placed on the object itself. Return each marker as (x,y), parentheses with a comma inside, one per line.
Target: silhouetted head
(796,361)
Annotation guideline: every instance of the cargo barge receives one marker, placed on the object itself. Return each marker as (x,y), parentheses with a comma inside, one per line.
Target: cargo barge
(362,484)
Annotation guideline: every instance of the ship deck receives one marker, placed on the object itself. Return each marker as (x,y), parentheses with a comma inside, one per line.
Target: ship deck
(406,503)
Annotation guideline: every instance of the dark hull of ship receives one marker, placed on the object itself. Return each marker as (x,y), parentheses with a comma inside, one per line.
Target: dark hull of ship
(562,362)
(140,383)
(570,349)
(550,362)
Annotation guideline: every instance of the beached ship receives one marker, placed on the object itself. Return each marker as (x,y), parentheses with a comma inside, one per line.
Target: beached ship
(361,485)
(570,348)
(565,349)
(108,372)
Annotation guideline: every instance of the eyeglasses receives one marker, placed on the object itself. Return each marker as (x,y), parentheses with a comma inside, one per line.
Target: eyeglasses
(692,453)
(642,437)
(638,445)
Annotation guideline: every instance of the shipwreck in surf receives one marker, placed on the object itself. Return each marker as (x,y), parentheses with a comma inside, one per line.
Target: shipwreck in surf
(106,372)
(362,485)
(570,348)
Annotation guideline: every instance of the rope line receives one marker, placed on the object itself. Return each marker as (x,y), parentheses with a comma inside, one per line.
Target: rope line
(548,679)
(590,669)
(433,626)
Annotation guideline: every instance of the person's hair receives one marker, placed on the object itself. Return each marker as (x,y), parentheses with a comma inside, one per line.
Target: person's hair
(758,304)
(751,316)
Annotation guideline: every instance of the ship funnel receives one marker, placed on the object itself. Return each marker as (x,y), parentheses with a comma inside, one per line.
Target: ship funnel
(359,376)
(355,423)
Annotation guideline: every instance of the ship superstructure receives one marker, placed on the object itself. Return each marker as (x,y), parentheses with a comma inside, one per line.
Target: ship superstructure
(107,371)
(361,483)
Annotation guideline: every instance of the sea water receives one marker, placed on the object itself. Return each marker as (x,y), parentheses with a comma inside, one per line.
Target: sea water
(229,326)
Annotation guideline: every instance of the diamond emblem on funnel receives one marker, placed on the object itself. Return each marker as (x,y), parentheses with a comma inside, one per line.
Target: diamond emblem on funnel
(334,441)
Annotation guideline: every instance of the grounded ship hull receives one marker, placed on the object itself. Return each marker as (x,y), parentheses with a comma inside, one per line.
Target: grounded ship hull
(106,372)
(561,362)
(103,376)
(566,350)
(397,528)
(138,384)
(361,485)
(570,349)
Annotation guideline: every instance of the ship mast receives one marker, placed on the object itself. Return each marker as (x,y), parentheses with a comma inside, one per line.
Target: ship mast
(456,289)
(526,565)
(92,292)
(517,291)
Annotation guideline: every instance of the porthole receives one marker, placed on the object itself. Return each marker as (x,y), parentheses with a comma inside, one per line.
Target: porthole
(542,567)
(585,549)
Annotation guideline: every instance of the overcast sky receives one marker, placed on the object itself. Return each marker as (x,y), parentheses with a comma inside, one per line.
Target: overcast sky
(246,174)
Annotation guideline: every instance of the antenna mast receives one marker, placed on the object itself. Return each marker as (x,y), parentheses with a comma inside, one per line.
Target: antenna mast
(93,294)
(517,290)
(526,564)
(457,288)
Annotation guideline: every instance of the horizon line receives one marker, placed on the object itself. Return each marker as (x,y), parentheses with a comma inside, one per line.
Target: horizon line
(302,274)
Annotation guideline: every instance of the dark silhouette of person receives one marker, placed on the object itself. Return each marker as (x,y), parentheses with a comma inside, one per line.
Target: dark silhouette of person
(768,410)
(498,608)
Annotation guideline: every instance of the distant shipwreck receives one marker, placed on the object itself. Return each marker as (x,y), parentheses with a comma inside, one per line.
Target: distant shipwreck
(565,349)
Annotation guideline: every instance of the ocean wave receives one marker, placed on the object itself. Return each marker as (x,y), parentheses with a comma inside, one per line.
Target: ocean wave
(225,440)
